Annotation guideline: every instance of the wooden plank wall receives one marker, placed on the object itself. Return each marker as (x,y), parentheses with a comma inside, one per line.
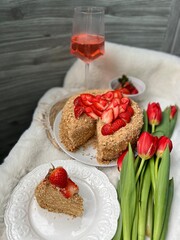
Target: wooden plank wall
(34,49)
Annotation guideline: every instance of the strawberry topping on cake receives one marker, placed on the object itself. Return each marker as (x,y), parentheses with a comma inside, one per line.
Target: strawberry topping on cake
(106,116)
(111,107)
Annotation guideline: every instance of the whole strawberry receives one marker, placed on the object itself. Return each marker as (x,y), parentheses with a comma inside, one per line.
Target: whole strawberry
(58,177)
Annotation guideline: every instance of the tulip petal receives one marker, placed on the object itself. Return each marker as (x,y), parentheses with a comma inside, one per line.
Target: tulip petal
(173,123)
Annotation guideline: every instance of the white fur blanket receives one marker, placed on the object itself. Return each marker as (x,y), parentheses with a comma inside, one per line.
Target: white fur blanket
(160,72)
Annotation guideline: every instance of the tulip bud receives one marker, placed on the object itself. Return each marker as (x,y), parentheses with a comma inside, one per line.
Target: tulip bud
(154,114)
(173,111)
(146,145)
(120,159)
(163,142)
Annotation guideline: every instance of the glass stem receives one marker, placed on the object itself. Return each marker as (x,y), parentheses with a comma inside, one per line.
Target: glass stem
(87,75)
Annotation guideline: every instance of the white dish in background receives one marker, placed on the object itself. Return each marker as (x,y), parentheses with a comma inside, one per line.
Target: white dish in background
(139,84)
(85,154)
(25,220)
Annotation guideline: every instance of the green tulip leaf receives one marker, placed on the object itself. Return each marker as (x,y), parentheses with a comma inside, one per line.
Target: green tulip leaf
(143,203)
(166,220)
(164,126)
(161,194)
(128,194)
(145,120)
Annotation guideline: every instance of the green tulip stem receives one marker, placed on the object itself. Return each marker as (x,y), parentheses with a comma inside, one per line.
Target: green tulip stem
(139,169)
(156,166)
(153,128)
(152,170)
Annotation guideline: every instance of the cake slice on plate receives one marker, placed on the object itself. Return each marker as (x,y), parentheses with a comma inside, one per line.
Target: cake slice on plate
(58,193)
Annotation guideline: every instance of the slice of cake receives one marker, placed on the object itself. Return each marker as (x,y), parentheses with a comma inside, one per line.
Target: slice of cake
(58,193)
(115,120)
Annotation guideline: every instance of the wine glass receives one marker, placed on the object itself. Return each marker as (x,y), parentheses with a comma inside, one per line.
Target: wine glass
(87,41)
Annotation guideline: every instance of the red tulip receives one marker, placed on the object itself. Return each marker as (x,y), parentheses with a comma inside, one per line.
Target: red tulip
(120,159)
(173,111)
(163,142)
(146,145)
(154,113)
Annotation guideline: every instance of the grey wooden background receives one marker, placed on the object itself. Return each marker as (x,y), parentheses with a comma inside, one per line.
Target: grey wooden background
(34,48)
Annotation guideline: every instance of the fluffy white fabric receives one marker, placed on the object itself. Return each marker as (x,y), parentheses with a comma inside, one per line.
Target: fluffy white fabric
(160,72)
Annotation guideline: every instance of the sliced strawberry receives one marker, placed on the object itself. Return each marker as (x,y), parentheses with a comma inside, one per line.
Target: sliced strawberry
(101,105)
(130,110)
(125,100)
(127,85)
(90,113)
(87,99)
(116,101)
(97,98)
(70,189)
(114,105)
(96,111)
(117,124)
(108,96)
(126,116)
(134,91)
(78,111)
(58,177)
(117,94)
(78,101)
(107,116)
(123,107)
(107,130)
(125,91)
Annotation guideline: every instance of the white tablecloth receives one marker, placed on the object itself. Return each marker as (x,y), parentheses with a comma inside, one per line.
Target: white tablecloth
(160,72)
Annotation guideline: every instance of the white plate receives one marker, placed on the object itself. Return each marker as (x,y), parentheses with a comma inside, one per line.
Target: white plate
(86,155)
(25,220)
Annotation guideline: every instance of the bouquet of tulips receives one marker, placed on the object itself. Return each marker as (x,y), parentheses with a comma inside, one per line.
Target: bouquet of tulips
(145,191)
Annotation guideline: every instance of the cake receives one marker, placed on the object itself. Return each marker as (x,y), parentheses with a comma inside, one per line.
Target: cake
(114,119)
(58,193)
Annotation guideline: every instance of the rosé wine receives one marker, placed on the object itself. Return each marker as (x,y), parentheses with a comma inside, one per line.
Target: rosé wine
(87,47)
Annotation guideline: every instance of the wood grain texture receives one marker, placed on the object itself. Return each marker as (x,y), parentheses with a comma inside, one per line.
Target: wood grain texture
(171,42)
(34,48)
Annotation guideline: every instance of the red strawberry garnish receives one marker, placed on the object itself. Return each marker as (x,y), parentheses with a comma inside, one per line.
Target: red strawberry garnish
(70,189)
(96,111)
(90,113)
(126,116)
(117,124)
(130,110)
(58,177)
(125,100)
(108,96)
(78,101)
(134,91)
(78,111)
(115,107)
(87,99)
(124,91)
(117,94)
(107,116)
(107,129)
(110,106)
(101,104)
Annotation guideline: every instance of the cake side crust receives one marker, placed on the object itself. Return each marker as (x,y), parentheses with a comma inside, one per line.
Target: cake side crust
(111,146)
(49,197)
